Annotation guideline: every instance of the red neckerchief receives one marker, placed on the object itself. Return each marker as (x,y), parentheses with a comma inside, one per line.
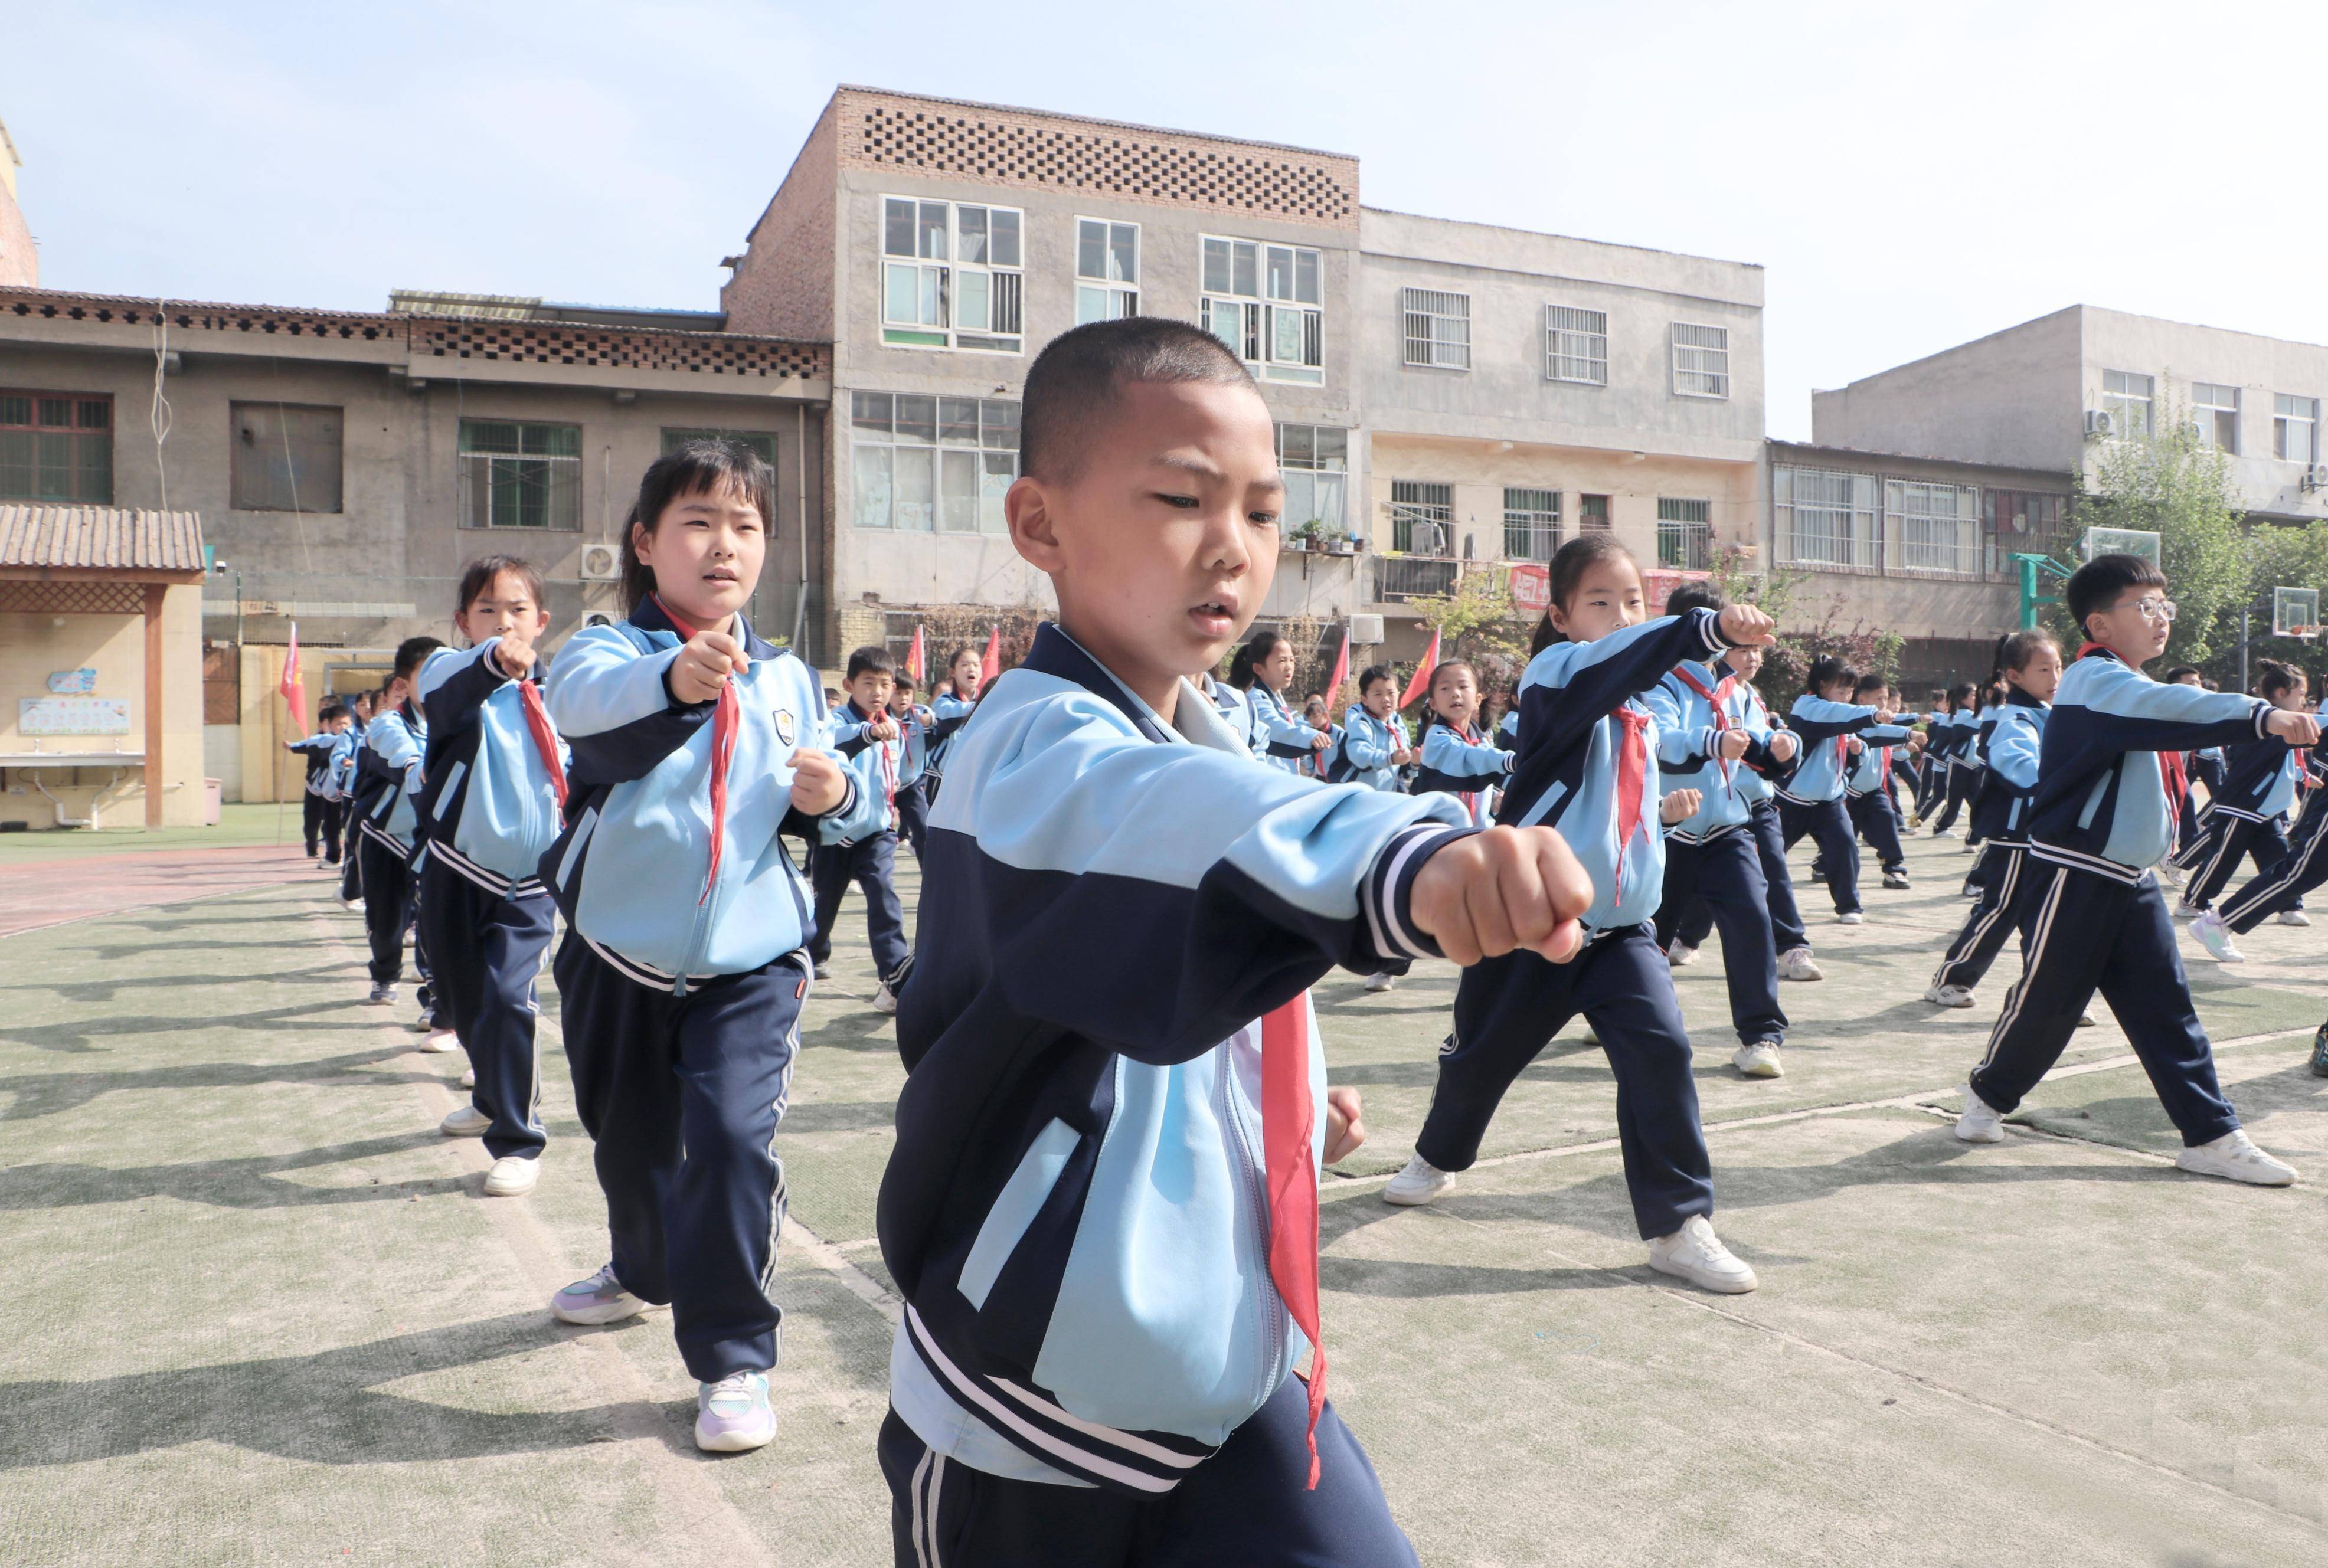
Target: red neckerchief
(724,718)
(1470,735)
(544,733)
(889,763)
(1715,700)
(1883,771)
(1632,780)
(1288,1123)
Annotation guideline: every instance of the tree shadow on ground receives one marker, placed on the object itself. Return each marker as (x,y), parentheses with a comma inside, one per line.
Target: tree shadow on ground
(319,1409)
(104,990)
(257,1182)
(81,1034)
(47,1094)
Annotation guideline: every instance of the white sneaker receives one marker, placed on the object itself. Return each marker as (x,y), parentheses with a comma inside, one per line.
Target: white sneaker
(1381,983)
(1944,832)
(1849,917)
(469,1079)
(600,1299)
(733,1414)
(1679,953)
(2234,1159)
(1949,996)
(2186,910)
(439,1041)
(1418,1184)
(465,1121)
(2294,917)
(1696,1253)
(1759,1060)
(1972,849)
(884,1000)
(1797,964)
(1896,881)
(1981,1122)
(1589,1035)
(2214,934)
(512,1177)
(2086,1018)
(2171,876)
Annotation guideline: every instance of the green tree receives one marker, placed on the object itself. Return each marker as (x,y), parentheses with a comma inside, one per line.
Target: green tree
(1478,622)
(2169,484)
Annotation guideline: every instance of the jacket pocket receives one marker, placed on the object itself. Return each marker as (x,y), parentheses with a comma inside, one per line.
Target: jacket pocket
(1015,1207)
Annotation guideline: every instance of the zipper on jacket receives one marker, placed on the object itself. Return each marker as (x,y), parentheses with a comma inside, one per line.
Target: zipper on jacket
(1266,1288)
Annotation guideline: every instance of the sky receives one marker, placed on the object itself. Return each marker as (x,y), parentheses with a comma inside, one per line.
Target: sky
(1909,176)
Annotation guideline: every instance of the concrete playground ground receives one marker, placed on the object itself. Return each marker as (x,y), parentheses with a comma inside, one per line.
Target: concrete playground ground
(259,1311)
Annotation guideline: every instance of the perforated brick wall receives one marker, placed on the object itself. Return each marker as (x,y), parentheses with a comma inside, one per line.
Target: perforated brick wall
(73,598)
(550,343)
(1052,152)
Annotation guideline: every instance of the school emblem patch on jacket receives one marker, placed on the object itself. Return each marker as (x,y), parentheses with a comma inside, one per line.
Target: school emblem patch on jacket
(784,725)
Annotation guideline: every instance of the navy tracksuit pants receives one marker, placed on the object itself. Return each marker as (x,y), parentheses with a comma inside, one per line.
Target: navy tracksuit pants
(1771,848)
(1248,1504)
(682,1095)
(1726,871)
(2086,932)
(2003,868)
(2217,855)
(1829,826)
(351,862)
(2302,868)
(914,813)
(1507,1010)
(488,948)
(391,904)
(871,864)
(1962,777)
(320,823)
(1875,816)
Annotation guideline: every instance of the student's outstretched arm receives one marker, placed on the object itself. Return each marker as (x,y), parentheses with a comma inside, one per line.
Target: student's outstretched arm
(1280,736)
(2127,711)
(455,683)
(1157,897)
(1815,719)
(1444,751)
(1571,687)
(613,706)
(2013,750)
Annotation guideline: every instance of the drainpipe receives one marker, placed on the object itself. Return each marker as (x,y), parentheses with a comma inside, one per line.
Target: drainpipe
(799,479)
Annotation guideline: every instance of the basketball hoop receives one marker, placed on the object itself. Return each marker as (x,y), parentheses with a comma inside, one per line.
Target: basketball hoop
(2295,613)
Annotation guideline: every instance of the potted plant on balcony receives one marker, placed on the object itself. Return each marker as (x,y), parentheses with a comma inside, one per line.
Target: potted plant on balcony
(1342,544)
(1309,536)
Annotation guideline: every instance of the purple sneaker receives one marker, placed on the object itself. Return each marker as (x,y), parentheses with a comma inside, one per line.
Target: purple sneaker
(732,1416)
(600,1299)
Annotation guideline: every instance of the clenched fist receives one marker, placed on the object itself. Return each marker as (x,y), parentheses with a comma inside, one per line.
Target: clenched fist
(817,785)
(1503,889)
(704,664)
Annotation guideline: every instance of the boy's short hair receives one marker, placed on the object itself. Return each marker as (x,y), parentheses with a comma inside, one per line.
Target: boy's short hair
(1371,674)
(331,710)
(903,680)
(1871,680)
(1695,596)
(413,652)
(2179,671)
(1074,381)
(870,660)
(2097,584)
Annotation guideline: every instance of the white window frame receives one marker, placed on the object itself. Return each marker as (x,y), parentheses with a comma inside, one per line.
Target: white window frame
(1325,472)
(1115,297)
(1700,369)
(2119,401)
(2288,412)
(1686,521)
(1438,325)
(1937,525)
(2205,401)
(1281,334)
(1532,513)
(1828,518)
(1575,351)
(986,454)
(945,279)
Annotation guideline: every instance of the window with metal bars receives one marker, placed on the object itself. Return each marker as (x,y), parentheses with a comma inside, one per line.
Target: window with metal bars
(56,447)
(520,475)
(951,276)
(1937,526)
(1422,517)
(1576,345)
(927,464)
(1827,518)
(1438,328)
(1107,270)
(1685,534)
(1531,524)
(1701,357)
(1267,302)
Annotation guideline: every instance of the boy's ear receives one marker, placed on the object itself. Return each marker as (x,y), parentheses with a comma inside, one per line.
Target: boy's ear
(1033,529)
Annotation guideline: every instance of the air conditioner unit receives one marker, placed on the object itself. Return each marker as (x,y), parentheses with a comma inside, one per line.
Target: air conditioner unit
(1365,629)
(2098,422)
(601,563)
(2316,477)
(597,618)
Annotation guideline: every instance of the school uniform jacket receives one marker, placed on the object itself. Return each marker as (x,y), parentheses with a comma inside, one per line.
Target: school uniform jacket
(1234,710)
(1871,767)
(948,714)
(1368,745)
(2000,812)
(316,752)
(1755,780)
(2259,779)
(2100,803)
(1272,734)
(1573,746)
(1689,727)
(879,766)
(634,872)
(1467,766)
(1508,732)
(490,799)
(389,772)
(1820,728)
(339,768)
(1073,1209)
(918,723)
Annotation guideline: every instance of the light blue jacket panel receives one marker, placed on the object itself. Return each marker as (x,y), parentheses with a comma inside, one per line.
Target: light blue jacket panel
(2016,743)
(879,766)
(398,749)
(948,714)
(1274,734)
(490,795)
(1469,767)
(1687,736)
(1368,745)
(1236,711)
(1820,725)
(631,870)
(1753,785)
(340,769)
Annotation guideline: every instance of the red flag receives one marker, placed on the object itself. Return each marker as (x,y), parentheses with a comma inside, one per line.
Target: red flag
(1420,687)
(1341,674)
(293,691)
(914,658)
(991,665)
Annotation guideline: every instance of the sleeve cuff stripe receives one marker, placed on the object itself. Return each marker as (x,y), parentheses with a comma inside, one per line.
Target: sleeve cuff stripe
(1392,885)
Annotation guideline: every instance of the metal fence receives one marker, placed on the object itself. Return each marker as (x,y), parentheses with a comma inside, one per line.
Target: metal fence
(1401,577)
